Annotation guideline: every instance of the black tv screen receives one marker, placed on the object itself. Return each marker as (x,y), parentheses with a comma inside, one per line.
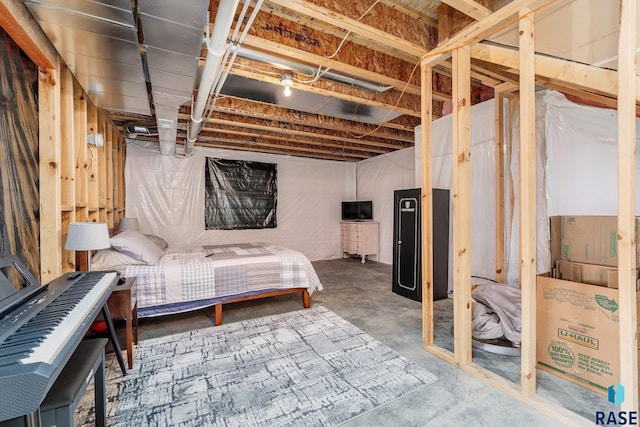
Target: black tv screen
(357,211)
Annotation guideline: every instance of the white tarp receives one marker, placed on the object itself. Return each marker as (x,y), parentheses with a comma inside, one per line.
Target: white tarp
(378,177)
(582,158)
(166,194)
(512,251)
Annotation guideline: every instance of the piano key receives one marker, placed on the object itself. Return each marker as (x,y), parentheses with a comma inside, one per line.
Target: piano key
(11,359)
(48,349)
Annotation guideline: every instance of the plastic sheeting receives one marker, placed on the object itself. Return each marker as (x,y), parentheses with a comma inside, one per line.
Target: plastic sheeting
(483,196)
(576,170)
(166,194)
(240,194)
(582,158)
(512,252)
(378,178)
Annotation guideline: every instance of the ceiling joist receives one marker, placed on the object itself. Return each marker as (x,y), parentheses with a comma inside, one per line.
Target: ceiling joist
(470,8)
(563,72)
(353,25)
(478,31)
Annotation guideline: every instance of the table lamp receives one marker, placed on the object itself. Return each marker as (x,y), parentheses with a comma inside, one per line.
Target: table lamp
(129,224)
(87,236)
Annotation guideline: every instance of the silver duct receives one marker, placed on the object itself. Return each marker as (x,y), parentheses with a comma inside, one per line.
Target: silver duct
(285,64)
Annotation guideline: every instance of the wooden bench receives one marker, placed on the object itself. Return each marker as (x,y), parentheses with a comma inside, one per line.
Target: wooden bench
(62,399)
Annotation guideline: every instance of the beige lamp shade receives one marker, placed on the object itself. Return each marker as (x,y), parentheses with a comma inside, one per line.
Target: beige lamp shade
(129,224)
(87,236)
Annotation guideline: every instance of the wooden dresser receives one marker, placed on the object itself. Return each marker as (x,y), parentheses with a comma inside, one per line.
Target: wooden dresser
(359,238)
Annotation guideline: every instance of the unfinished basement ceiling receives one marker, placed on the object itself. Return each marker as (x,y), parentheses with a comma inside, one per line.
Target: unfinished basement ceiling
(355,88)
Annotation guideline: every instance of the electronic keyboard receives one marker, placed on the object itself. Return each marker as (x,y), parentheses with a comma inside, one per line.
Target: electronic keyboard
(41,331)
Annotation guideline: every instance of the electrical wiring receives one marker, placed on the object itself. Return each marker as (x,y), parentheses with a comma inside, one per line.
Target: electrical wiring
(448,50)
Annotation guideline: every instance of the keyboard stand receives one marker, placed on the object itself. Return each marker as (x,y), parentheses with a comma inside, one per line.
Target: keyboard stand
(114,338)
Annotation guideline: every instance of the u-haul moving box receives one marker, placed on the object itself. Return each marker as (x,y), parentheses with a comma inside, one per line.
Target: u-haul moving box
(577,332)
(590,239)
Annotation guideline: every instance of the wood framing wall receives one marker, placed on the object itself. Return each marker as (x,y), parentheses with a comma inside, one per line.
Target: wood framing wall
(532,70)
(77,181)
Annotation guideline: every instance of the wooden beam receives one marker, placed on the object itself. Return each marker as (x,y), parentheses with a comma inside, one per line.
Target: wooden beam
(528,211)
(293,141)
(50,174)
(80,151)
(353,25)
(103,129)
(427,205)
(590,78)
(92,161)
(218,125)
(300,56)
(461,122)
(18,22)
(477,31)
(330,127)
(110,141)
(553,409)
(500,194)
(325,92)
(628,320)
(470,8)
(411,12)
(477,73)
(319,31)
(258,147)
(67,164)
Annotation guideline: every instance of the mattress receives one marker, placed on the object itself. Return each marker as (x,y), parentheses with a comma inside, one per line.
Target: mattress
(188,278)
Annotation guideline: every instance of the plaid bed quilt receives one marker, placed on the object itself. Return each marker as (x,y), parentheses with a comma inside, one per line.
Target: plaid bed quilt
(205,272)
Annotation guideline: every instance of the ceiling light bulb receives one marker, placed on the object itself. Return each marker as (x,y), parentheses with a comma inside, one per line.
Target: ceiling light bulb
(286,82)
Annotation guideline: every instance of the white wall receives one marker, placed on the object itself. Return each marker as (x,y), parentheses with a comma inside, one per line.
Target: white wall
(166,194)
(378,177)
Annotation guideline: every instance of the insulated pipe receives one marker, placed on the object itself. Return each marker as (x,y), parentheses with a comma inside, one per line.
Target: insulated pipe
(238,43)
(216,46)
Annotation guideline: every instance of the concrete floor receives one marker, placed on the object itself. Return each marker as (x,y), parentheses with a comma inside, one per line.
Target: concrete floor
(362,295)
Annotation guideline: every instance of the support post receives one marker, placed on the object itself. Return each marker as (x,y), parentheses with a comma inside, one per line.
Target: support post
(527,204)
(427,204)
(462,205)
(628,319)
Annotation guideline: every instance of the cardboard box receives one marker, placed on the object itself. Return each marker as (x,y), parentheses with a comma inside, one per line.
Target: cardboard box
(593,274)
(577,332)
(590,239)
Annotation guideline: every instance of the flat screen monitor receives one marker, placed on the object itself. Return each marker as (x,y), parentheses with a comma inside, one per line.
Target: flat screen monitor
(357,211)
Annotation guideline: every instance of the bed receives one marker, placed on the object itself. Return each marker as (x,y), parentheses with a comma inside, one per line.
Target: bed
(175,280)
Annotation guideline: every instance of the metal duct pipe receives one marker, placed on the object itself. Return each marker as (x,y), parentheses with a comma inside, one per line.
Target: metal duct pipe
(286,64)
(216,47)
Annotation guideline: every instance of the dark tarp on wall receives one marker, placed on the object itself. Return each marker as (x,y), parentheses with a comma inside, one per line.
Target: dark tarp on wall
(240,194)
(19,197)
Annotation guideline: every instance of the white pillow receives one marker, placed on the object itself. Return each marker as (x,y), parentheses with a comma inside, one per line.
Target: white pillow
(137,245)
(106,259)
(162,244)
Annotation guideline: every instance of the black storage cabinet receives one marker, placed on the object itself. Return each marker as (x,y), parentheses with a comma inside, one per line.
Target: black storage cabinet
(407,264)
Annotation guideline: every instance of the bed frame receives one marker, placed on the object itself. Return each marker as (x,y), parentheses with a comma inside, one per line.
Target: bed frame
(306,300)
